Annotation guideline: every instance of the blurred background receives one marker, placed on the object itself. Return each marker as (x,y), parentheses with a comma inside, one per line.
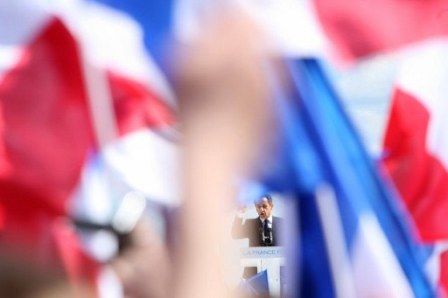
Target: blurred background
(195,148)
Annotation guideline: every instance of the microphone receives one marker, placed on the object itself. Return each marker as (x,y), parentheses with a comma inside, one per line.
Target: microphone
(266,237)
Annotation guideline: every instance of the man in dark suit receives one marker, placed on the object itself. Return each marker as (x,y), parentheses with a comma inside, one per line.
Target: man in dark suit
(261,231)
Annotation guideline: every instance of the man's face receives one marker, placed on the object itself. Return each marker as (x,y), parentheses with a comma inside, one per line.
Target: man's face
(264,208)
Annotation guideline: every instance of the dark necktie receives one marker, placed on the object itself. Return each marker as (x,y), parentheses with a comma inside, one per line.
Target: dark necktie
(266,228)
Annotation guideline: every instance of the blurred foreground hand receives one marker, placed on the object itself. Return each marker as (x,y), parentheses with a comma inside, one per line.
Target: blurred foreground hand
(143,267)
(223,93)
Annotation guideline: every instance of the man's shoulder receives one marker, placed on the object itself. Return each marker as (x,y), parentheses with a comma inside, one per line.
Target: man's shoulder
(277,219)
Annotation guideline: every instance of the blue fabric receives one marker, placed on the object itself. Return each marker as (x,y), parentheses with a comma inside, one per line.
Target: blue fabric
(257,285)
(319,146)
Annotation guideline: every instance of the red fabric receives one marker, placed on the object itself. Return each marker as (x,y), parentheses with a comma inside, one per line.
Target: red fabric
(443,281)
(419,176)
(46,130)
(46,134)
(136,106)
(45,137)
(359,28)
(45,126)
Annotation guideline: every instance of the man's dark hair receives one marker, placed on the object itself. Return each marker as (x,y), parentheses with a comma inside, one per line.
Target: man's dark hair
(266,196)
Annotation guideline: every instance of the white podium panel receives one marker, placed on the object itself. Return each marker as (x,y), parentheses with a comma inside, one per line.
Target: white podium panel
(269,258)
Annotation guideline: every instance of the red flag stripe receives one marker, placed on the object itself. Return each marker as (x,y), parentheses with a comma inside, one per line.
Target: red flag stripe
(359,28)
(46,131)
(420,177)
(46,126)
(137,106)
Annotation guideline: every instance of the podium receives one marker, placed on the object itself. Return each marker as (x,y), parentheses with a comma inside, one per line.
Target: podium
(270,258)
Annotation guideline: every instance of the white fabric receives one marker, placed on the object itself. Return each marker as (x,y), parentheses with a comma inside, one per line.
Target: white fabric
(20,21)
(291,24)
(141,161)
(114,40)
(376,270)
(424,74)
(109,286)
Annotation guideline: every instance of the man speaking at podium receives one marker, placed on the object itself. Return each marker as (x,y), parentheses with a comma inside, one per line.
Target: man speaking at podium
(261,231)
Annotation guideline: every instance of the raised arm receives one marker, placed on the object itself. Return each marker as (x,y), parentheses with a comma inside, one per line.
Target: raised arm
(239,230)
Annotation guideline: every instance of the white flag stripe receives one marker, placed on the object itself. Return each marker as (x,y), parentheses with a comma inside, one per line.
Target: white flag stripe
(112,39)
(376,270)
(100,101)
(338,257)
(115,41)
(20,21)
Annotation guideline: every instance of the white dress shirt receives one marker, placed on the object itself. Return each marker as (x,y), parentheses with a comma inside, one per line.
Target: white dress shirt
(269,219)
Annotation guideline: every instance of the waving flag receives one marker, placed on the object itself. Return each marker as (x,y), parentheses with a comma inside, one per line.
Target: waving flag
(70,86)
(415,143)
(354,239)
(359,28)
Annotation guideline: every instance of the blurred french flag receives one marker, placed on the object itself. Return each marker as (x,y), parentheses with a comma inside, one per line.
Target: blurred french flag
(354,238)
(415,145)
(86,116)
